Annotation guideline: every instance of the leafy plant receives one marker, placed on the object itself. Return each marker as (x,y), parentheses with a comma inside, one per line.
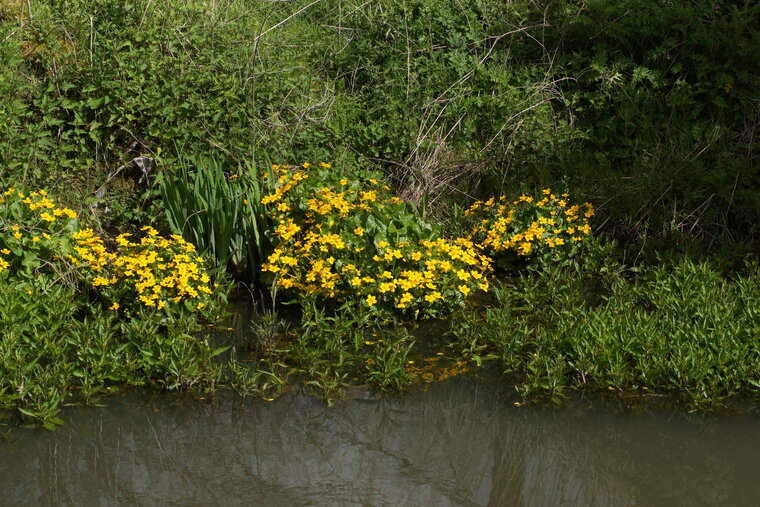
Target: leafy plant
(219,211)
(58,342)
(548,229)
(678,329)
(350,240)
(35,235)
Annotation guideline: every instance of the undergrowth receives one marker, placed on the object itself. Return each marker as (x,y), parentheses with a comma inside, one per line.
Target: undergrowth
(682,330)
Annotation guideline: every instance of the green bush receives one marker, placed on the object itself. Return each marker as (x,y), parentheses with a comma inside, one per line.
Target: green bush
(57,348)
(78,319)
(649,107)
(665,93)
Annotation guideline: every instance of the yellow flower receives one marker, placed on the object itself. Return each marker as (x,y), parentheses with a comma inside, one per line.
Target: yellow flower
(371,300)
(359,231)
(114,306)
(433,296)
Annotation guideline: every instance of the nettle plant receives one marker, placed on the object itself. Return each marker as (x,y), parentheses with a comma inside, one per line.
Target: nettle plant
(548,229)
(350,240)
(35,233)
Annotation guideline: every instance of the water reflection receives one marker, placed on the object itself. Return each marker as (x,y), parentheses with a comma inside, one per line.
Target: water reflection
(460,443)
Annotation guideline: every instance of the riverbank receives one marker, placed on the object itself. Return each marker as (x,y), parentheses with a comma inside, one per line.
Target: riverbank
(577,202)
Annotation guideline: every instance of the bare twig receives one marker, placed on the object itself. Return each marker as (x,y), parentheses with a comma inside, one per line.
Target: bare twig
(92,37)
(299,11)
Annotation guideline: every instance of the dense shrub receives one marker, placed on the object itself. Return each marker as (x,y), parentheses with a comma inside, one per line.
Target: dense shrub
(649,107)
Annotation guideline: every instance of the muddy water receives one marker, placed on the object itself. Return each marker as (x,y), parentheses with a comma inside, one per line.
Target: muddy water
(460,442)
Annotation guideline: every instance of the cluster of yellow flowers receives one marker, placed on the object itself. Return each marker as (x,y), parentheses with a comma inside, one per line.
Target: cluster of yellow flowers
(153,271)
(30,221)
(38,200)
(156,271)
(331,242)
(528,226)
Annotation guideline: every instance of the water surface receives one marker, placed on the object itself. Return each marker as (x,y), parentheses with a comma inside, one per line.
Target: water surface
(460,442)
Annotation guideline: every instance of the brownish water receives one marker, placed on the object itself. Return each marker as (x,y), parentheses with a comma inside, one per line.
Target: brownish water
(461,442)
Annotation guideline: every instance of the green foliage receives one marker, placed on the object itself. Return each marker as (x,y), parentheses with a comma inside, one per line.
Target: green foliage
(56,348)
(442,97)
(218,211)
(349,346)
(59,344)
(648,106)
(35,236)
(666,95)
(681,329)
(92,85)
